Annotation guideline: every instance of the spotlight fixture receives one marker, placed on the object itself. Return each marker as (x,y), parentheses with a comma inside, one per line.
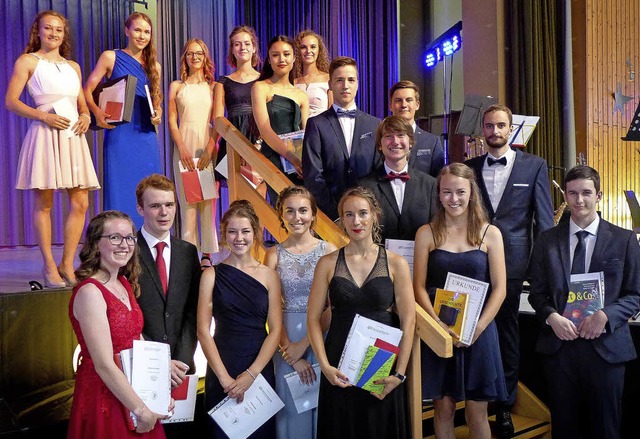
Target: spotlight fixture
(445,45)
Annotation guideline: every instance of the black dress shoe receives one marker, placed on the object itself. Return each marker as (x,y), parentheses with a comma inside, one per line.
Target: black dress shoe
(504,424)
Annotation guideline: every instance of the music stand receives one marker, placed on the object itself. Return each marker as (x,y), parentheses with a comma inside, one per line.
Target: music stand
(522,130)
(470,121)
(633,135)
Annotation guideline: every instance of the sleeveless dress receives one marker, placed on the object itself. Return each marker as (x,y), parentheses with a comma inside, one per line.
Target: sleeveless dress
(240,307)
(193,104)
(237,100)
(318,98)
(131,149)
(474,372)
(352,412)
(95,412)
(296,275)
(48,158)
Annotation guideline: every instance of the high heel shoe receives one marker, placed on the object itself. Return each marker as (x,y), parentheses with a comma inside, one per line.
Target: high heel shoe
(69,279)
(52,283)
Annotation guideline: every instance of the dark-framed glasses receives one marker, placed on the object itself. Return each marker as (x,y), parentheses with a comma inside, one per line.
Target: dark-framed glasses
(116,239)
(199,54)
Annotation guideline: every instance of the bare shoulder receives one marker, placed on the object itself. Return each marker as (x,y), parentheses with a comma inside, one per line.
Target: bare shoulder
(396,262)
(175,87)
(424,233)
(492,237)
(88,296)
(26,61)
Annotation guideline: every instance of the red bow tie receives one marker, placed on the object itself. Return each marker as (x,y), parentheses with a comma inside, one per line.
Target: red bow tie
(404,176)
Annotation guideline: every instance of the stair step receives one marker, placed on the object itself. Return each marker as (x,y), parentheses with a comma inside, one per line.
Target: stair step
(427,409)
(525,427)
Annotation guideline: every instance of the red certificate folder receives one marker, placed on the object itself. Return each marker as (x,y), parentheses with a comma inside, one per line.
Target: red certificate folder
(116,98)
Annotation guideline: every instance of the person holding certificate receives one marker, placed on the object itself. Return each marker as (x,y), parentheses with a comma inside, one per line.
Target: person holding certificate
(460,240)
(278,106)
(55,154)
(241,295)
(107,319)
(131,149)
(361,278)
(191,100)
(295,260)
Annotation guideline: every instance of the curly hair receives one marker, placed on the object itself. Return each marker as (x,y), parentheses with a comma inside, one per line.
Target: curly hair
(267,70)
(34,38)
(209,67)
(374,206)
(90,262)
(255,58)
(476,215)
(322,62)
(242,209)
(293,191)
(149,58)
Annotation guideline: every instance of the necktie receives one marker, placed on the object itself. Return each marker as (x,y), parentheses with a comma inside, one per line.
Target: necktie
(502,161)
(579,264)
(161,265)
(404,176)
(346,113)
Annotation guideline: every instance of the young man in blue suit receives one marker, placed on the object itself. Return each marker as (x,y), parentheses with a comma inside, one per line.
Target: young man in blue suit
(516,195)
(168,300)
(584,363)
(427,155)
(339,144)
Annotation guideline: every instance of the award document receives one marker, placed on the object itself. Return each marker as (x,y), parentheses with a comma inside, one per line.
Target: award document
(151,374)
(199,185)
(403,247)
(185,399)
(65,108)
(305,396)
(239,420)
(364,332)
(477,291)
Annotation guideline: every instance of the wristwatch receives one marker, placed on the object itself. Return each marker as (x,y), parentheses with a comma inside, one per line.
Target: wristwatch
(401,377)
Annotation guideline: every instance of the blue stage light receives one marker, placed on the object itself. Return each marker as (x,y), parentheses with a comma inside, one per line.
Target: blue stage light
(445,45)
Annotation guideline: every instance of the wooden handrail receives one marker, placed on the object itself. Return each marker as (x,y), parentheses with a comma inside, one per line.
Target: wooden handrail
(239,147)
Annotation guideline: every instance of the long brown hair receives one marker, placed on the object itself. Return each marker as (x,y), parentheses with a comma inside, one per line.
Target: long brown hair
(293,191)
(149,58)
(242,209)
(322,62)
(209,67)
(476,215)
(374,206)
(267,69)
(255,58)
(90,254)
(34,43)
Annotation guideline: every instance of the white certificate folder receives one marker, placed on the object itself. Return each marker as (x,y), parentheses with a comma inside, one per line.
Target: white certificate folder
(116,97)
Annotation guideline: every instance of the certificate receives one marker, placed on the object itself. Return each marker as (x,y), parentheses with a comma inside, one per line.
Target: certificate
(403,247)
(239,420)
(305,396)
(65,108)
(185,400)
(151,374)
(364,333)
(477,291)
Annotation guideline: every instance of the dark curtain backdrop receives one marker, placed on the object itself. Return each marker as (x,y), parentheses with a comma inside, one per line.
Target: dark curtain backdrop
(95,26)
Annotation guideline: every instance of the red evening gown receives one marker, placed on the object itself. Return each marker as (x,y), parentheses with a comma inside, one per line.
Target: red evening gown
(96,413)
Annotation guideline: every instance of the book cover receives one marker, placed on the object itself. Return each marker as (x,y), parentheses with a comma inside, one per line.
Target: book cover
(377,364)
(294,143)
(451,308)
(115,97)
(586,296)
(185,400)
(477,291)
(199,185)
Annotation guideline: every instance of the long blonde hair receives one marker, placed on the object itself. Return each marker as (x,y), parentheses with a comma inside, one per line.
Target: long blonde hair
(208,68)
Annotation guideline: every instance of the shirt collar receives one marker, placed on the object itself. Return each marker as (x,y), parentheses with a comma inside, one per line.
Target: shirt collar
(152,240)
(510,155)
(591,228)
(388,169)
(351,107)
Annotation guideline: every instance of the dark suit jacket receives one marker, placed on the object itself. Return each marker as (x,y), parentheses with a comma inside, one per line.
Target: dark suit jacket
(524,211)
(327,167)
(617,254)
(427,155)
(418,205)
(172,318)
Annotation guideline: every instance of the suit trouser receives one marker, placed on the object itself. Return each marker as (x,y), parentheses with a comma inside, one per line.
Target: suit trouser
(509,337)
(585,392)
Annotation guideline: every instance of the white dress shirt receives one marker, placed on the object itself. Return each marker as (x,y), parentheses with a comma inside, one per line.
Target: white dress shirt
(397,185)
(166,254)
(348,125)
(589,241)
(495,177)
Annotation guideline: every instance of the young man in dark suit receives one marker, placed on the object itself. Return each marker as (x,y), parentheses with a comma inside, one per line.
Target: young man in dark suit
(338,143)
(427,154)
(584,363)
(169,282)
(406,195)
(516,195)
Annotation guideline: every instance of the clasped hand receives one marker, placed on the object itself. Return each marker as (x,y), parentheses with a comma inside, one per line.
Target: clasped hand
(236,388)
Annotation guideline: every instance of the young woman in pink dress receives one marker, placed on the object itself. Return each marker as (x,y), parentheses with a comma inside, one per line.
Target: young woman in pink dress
(312,71)
(55,154)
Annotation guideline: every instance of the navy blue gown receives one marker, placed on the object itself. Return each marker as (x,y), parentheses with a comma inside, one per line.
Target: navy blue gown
(352,412)
(240,308)
(474,372)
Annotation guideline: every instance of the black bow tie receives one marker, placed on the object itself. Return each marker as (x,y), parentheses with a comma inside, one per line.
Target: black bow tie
(404,176)
(346,113)
(502,161)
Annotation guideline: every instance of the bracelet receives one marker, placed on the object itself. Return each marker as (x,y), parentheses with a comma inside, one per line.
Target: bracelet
(252,375)
(85,115)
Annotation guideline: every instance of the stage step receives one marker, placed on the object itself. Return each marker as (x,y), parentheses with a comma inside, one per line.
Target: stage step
(525,427)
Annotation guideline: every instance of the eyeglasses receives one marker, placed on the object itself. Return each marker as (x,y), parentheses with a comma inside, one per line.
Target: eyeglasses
(194,54)
(117,239)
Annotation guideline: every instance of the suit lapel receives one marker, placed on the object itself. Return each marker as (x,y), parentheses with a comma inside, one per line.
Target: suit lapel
(150,264)
(603,238)
(337,128)
(565,254)
(409,194)
(387,191)
(483,187)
